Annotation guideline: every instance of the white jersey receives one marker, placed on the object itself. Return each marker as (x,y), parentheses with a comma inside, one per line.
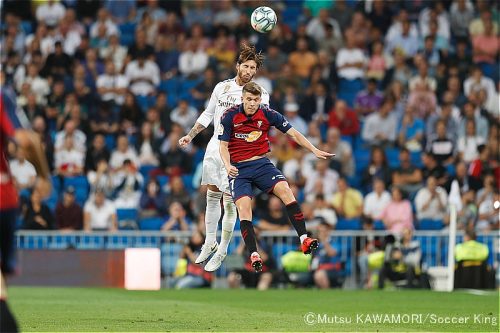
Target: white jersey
(226,94)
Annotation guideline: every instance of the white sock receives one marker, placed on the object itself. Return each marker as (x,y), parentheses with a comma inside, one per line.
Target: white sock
(228,222)
(304,236)
(212,216)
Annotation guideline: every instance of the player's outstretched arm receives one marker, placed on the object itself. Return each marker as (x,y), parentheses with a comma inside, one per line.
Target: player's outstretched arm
(185,140)
(232,171)
(302,140)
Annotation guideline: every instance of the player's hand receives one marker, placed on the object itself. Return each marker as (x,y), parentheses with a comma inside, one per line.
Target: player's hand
(232,171)
(323,154)
(184,141)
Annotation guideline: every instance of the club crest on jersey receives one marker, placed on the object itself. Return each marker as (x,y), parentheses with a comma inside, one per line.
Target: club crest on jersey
(259,123)
(226,88)
(248,137)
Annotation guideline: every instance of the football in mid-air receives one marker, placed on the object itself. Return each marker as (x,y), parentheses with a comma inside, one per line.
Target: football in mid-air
(263,19)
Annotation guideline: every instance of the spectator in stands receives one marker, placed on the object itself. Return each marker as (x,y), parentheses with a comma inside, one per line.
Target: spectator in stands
(194,276)
(96,152)
(69,161)
(323,211)
(442,147)
(317,105)
(100,177)
(143,75)
(174,160)
(431,201)
(467,145)
(461,14)
(112,86)
(397,215)
(50,13)
(378,167)
(147,146)
(70,130)
(275,218)
(247,275)
(467,215)
(411,131)
(226,15)
(302,60)
(123,152)
(343,118)
(404,40)
(478,81)
(488,213)
(316,28)
(152,200)
(343,161)
(128,182)
(177,218)
(322,180)
(39,86)
(378,63)
(122,11)
(478,25)
(114,52)
(105,22)
(291,114)
(177,192)
(23,171)
(351,63)
(193,60)
(184,115)
(202,91)
(328,273)
(197,12)
(407,176)
(369,100)
(480,122)
(35,214)
(105,120)
(376,201)
(347,202)
(433,168)
(380,127)
(58,64)
(99,213)
(445,116)
(69,214)
(130,114)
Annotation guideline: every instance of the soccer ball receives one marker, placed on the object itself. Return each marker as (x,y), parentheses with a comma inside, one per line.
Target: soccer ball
(263,19)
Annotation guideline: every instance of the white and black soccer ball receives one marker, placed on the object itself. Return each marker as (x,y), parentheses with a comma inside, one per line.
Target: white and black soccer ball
(263,19)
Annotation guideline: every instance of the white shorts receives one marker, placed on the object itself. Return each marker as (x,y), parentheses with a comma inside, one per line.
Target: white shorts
(214,172)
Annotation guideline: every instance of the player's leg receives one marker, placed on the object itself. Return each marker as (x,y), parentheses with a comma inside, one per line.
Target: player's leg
(244,206)
(228,222)
(283,191)
(212,217)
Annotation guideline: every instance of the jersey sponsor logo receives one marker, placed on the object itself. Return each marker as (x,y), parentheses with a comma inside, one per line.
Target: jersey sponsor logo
(285,123)
(248,137)
(225,104)
(278,177)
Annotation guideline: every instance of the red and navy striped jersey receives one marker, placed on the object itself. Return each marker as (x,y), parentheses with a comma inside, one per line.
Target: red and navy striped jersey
(248,135)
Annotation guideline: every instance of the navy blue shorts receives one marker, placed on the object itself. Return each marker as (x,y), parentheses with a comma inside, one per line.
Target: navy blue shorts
(261,173)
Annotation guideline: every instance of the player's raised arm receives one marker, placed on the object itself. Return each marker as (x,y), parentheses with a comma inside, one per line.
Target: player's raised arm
(302,140)
(203,121)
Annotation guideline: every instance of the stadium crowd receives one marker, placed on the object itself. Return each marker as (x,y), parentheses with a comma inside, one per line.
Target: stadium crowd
(405,93)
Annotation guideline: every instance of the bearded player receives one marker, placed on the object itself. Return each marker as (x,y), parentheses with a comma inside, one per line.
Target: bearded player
(243,135)
(226,94)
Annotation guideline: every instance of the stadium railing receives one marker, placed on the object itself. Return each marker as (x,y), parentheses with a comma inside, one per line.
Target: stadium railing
(434,244)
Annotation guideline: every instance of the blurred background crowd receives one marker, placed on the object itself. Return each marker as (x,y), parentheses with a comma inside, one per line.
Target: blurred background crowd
(404,92)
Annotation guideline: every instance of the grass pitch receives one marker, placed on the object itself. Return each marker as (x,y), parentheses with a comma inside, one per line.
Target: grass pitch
(112,310)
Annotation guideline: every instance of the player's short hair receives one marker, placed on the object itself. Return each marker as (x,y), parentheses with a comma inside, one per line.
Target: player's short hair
(252,88)
(248,52)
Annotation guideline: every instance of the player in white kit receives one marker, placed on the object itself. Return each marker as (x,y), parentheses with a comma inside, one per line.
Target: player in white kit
(226,94)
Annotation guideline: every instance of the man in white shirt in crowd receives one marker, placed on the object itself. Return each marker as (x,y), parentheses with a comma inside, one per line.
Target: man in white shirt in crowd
(69,161)
(79,138)
(291,114)
(193,60)
(431,201)
(50,12)
(23,171)
(376,201)
(143,75)
(111,85)
(380,127)
(184,115)
(322,180)
(99,213)
(123,152)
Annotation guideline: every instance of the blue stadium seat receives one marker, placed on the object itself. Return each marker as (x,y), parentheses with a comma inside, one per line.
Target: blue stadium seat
(361,159)
(378,225)
(163,180)
(127,214)
(110,141)
(127,28)
(188,182)
(392,155)
(145,171)
(151,223)
(430,224)
(27,27)
(81,186)
(127,39)
(348,224)
(416,158)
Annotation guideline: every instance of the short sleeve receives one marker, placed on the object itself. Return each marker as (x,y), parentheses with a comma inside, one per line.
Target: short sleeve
(277,120)
(225,129)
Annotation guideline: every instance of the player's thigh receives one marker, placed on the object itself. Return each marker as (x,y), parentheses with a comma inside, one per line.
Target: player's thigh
(267,176)
(283,191)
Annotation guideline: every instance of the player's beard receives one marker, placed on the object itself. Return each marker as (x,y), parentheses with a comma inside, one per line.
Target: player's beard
(245,79)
